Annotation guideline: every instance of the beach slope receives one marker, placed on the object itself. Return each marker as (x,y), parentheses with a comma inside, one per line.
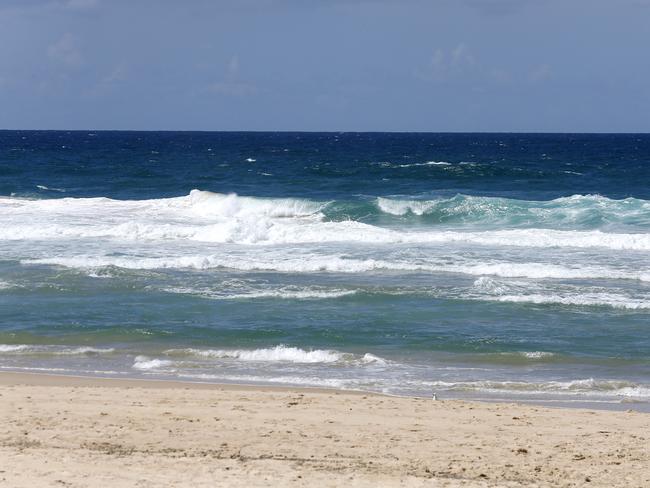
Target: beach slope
(75,432)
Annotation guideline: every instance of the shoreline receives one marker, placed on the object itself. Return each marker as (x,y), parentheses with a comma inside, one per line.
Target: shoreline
(9,377)
(77,432)
(15,378)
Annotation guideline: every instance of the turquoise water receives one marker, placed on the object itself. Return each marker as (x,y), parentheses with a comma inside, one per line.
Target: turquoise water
(473,266)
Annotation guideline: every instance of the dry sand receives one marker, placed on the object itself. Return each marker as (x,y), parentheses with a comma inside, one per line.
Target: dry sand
(71,432)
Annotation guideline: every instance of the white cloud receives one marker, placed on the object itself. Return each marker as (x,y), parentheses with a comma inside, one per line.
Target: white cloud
(445,64)
(66,51)
(460,56)
(116,75)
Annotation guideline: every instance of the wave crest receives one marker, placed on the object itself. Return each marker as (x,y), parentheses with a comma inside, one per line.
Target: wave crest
(278,353)
(53,350)
(220,218)
(231,205)
(577,211)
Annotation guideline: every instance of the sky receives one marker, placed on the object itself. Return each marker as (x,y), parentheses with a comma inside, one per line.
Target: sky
(326,65)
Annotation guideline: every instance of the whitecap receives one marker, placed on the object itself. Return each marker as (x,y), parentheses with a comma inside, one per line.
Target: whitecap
(145,363)
(54,350)
(584,300)
(43,187)
(285,292)
(281,353)
(219,218)
(13,347)
(273,354)
(428,163)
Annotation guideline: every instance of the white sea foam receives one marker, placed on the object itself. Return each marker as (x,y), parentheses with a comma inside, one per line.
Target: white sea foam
(292,263)
(538,238)
(280,353)
(536,354)
(75,372)
(582,387)
(488,285)
(269,232)
(585,300)
(546,270)
(286,292)
(304,380)
(43,187)
(13,347)
(428,163)
(514,292)
(371,358)
(575,208)
(291,294)
(200,215)
(615,390)
(634,392)
(84,350)
(54,350)
(219,218)
(145,363)
(402,207)
(519,355)
(232,205)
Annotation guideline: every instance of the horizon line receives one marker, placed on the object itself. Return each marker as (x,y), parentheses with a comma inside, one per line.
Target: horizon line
(330,131)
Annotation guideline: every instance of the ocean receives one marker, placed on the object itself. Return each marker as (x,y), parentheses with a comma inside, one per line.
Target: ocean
(473,266)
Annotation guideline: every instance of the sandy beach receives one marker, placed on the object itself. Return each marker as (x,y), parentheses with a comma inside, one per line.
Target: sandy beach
(78,432)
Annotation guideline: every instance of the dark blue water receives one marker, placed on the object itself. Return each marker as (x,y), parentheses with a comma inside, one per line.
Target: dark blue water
(473,265)
(323,165)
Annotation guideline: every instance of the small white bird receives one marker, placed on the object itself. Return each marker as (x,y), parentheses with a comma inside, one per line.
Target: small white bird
(434,397)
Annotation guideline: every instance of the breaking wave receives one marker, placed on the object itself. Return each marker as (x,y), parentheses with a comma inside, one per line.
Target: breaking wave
(210,217)
(588,386)
(279,354)
(144,363)
(286,292)
(53,350)
(577,211)
(292,263)
(585,300)
(494,290)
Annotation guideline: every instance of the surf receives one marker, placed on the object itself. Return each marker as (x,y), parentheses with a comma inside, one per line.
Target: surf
(227,218)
